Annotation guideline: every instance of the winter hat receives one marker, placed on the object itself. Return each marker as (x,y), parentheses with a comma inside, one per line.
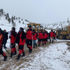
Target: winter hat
(13,28)
(21,29)
(29,26)
(4,30)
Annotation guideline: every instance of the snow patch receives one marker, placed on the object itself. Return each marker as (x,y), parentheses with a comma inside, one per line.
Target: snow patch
(56,57)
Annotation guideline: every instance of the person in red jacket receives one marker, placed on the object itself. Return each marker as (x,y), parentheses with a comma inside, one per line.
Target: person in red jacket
(29,37)
(21,37)
(34,39)
(13,36)
(45,36)
(1,45)
(40,38)
(54,35)
(51,36)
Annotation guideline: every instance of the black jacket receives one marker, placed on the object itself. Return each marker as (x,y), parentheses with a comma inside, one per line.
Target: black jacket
(22,37)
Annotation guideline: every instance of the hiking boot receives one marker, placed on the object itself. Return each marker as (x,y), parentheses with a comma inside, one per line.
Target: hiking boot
(30,50)
(38,44)
(5,58)
(33,46)
(11,55)
(18,57)
(23,54)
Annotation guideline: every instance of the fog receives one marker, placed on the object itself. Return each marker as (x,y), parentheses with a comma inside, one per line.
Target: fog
(40,11)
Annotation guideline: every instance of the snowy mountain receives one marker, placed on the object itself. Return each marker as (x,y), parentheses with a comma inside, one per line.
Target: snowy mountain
(7,22)
(56,26)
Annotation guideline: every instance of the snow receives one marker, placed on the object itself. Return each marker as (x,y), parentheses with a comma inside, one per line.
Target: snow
(54,57)
(59,40)
(57,25)
(4,24)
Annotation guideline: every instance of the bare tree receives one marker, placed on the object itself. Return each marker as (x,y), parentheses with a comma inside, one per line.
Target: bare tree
(13,23)
(1,12)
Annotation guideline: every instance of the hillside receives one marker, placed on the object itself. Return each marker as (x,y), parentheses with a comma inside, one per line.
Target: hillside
(7,22)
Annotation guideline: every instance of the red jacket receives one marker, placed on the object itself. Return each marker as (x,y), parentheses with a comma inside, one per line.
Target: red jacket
(51,34)
(35,36)
(29,34)
(1,40)
(21,38)
(40,35)
(45,35)
(54,34)
(13,37)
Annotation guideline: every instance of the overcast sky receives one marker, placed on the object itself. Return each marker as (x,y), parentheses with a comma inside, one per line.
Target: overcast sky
(41,11)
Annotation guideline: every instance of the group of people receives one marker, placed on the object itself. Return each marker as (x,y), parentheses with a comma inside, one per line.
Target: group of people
(31,38)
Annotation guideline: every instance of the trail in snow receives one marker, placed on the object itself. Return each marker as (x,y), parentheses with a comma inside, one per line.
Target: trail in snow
(56,57)
(52,57)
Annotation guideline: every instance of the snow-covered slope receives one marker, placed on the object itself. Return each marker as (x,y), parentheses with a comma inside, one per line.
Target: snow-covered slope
(19,22)
(4,24)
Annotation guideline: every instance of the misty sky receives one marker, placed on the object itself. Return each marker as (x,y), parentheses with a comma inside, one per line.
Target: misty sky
(41,11)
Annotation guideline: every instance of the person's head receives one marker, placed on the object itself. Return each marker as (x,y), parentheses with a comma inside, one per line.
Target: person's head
(4,30)
(51,30)
(29,26)
(21,29)
(13,28)
(0,30)
(33,30)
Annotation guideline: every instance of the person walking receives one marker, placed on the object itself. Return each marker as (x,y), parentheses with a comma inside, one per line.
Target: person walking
(21,38)
(1,46)
(5,34)
(13,36)
(51,36)
(34,39)
(29,38)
